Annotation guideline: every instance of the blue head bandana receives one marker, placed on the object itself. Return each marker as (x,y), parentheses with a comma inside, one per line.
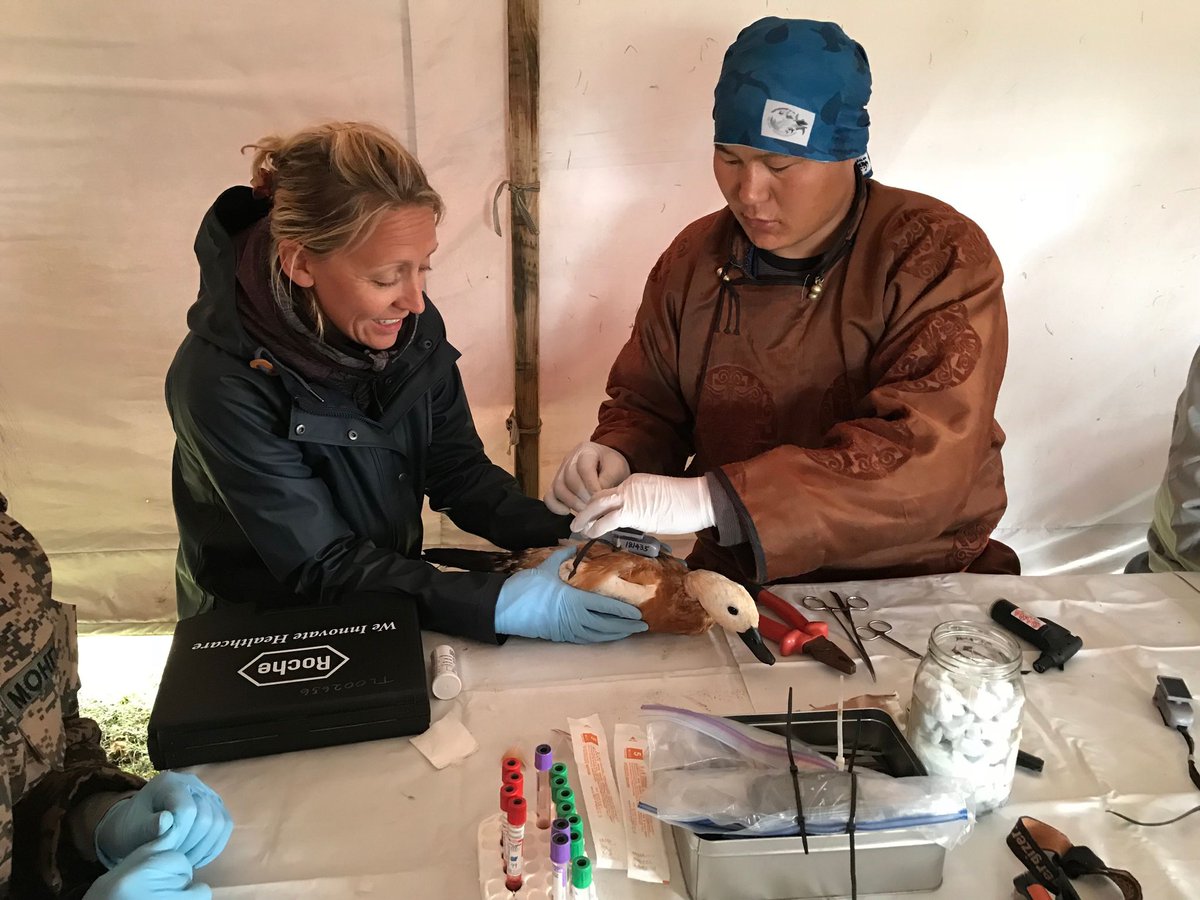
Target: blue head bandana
(796,87)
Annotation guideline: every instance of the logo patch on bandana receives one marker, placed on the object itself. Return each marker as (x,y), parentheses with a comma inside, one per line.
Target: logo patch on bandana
(785,122)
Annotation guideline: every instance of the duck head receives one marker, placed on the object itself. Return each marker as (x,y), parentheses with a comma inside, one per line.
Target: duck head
(730,606)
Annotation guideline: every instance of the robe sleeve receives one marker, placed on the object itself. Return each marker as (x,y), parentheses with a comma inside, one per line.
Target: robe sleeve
(645,416)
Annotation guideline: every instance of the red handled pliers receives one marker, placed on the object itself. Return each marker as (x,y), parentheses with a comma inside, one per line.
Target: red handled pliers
(799,635)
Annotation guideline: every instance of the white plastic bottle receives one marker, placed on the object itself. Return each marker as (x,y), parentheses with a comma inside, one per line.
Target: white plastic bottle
(445,680)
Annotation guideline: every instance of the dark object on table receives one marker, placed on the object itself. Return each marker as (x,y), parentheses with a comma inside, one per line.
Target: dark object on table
(1052,861)
(1056,643)
(241,683)
(721,867)
(1030,762)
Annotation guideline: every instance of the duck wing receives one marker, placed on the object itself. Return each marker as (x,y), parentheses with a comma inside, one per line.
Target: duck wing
(654,585)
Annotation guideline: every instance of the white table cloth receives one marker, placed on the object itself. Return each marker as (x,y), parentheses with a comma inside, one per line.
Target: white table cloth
(377,820)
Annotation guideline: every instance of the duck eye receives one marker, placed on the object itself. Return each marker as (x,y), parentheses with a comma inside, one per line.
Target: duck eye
(733,610)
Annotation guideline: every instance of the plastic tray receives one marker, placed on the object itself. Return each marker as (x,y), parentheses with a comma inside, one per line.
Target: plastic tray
(775,868)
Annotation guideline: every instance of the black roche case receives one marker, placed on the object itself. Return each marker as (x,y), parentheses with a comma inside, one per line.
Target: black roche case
(241,682)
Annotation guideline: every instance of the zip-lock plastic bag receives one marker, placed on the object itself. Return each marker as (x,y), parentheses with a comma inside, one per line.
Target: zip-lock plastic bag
(685,739)
(715,776)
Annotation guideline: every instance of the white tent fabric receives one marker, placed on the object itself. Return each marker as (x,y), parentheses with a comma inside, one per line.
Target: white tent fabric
(1069,132)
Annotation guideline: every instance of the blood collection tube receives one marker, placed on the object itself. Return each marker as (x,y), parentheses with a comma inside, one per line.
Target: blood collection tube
(507,793)
(564,795)
(574,821)
(515,869)
(558,782)
(543,759)
(560,826)
(577,850)
(559,770)
(565,810)
(510,766)
(517,780)
(560,859)
(581,879)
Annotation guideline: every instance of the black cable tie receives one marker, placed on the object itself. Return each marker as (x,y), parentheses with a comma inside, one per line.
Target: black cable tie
(850,823)
(795,773)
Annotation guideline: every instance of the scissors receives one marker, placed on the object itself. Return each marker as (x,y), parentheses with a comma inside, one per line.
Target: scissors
(877,628)
(816,604)
(846,607)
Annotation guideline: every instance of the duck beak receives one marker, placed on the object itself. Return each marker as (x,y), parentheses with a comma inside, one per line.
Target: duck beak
(752,639)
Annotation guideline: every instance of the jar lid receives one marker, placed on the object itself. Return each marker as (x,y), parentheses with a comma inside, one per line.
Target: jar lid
(977,647)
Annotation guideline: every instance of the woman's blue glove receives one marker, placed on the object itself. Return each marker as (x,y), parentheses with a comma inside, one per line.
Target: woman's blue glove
(537,603)
(149,874)
(175,812)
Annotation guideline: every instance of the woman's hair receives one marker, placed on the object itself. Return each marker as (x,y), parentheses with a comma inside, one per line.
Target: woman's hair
(329,185)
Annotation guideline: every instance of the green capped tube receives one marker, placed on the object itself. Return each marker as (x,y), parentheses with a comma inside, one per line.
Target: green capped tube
(581,873)
(575,821)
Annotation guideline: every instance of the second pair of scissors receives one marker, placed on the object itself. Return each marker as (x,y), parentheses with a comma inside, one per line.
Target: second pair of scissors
(877,628)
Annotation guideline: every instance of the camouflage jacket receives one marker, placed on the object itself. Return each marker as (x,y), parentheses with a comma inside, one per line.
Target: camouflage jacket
(52,757)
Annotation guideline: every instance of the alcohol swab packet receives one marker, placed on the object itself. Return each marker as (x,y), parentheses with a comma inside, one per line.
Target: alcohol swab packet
(446,742)
(599,791)
(647,852)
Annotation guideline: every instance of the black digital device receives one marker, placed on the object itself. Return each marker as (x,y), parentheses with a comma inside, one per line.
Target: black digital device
(1174,688)
(1173,700)
(240,682)
(1056,643)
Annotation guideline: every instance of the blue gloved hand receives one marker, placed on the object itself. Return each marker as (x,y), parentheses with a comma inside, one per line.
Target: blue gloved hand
(175,811)
(537,603)
(149,874)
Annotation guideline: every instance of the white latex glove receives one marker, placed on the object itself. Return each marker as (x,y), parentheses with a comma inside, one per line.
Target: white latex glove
(585,470)
(652,503)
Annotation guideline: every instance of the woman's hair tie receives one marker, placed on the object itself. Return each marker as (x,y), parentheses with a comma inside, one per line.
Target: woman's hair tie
(263,182)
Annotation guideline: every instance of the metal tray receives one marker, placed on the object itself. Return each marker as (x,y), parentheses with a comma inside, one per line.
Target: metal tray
(775,868)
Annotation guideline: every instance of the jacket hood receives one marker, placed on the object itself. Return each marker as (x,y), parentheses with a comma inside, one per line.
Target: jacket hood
(214,316)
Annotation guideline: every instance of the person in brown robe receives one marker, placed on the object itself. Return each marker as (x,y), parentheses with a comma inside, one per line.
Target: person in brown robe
(811,380)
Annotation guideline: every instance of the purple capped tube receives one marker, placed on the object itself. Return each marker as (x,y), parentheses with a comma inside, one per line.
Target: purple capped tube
(543,759)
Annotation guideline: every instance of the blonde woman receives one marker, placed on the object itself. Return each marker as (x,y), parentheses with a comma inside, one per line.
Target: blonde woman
(316,401)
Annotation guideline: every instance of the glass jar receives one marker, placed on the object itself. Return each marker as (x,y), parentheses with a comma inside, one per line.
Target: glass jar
(965,717)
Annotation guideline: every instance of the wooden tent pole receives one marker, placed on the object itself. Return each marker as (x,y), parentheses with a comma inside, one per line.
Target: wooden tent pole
(525,425)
